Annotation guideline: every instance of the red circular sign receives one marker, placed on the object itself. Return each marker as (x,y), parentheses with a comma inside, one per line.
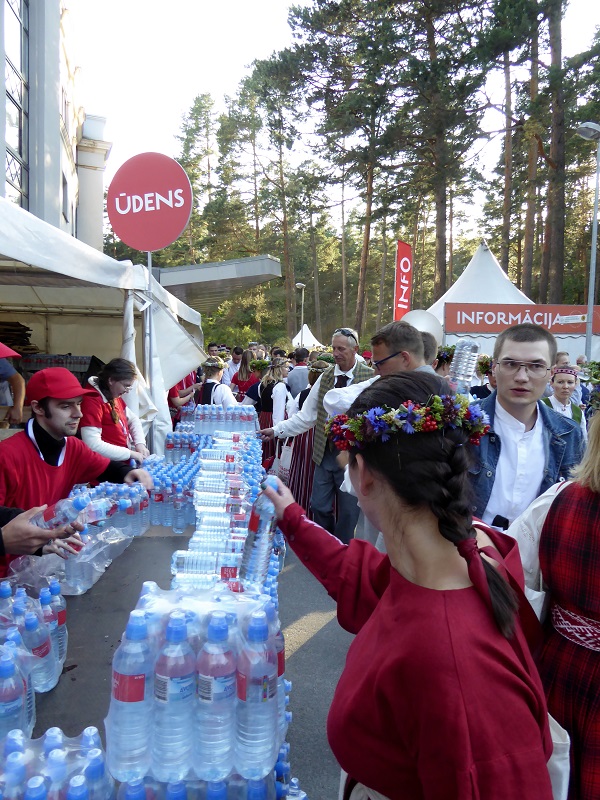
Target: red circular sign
(149,201)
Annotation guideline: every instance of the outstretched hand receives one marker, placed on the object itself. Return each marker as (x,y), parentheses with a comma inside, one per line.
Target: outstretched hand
(142,476)
(21,537)
(280,497)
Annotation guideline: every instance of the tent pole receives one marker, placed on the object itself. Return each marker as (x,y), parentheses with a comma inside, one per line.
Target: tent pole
(147,323)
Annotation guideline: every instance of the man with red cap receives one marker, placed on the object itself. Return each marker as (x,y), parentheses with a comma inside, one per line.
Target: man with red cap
(44,462)
(14,383)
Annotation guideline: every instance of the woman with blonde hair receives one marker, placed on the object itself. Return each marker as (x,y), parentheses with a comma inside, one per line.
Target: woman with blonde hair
(273,394)
(559,540)
(213,392)
(107,426)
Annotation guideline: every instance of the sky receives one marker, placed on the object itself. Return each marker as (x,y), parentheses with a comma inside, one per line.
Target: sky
(142,62)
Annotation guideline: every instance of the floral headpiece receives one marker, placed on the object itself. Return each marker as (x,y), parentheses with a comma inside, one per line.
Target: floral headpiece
(445,354)
(484,364)
(259,364)
(440,413)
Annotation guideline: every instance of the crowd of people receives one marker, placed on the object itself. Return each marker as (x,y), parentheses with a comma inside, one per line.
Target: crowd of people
(430,518)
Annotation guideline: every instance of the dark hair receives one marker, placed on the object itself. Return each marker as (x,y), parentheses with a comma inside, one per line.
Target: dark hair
(430,471)
(245,370)
(301,354)
(278,352)
(211,344)
(237,351)
(526,332)
(44,403)
(398,336)
(120,370)
(430,347)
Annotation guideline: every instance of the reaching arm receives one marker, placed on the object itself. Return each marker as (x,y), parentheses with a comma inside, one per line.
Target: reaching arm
(17,385)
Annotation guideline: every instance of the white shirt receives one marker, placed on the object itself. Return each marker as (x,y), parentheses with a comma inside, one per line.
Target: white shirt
(567,411)
(338,401)
(222,395)
(229,372)
(520,467)
(306,418)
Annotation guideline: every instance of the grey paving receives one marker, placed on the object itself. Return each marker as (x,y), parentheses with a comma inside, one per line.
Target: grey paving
(315,645)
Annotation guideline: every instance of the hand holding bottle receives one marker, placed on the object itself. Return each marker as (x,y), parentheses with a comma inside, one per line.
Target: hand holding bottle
(280,497)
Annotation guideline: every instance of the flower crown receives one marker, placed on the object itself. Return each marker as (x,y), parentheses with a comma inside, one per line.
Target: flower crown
(259,364)
(440,413)
(445,354)
(484,364)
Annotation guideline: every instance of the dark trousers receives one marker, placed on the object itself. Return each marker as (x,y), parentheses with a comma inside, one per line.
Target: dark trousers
(326,486)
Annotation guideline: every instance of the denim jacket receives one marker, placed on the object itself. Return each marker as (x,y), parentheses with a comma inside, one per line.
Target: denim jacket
(563,447)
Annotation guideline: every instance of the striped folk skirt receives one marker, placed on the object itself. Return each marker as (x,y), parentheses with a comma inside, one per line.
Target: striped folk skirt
(302,469)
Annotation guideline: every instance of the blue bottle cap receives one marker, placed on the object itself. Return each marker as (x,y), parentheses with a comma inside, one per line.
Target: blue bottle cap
(14,769)
(258,629)
(53,739)
(13,634)
(45,596)
(56,765)
(77,788)
(94,769)
(7,665)
(31,621)
(257,790)
(14,742)
(218,628)
(81,501)
(35,789)
(54,587)
(5,589)
(137,627)
(176,627)
(217,790)
(177,791)
(135,790)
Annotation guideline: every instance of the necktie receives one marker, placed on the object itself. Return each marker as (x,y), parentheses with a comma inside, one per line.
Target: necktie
(341,381)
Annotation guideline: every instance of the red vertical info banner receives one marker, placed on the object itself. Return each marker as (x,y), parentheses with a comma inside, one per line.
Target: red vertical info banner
(403,282)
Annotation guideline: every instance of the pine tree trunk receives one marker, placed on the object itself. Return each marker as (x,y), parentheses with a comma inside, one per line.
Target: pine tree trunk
(383,271)
(364,254)
(506,205)
(290,282)
(557,155)
(343,255)
(439,281)
(532,155)
(315,263)
(451,241)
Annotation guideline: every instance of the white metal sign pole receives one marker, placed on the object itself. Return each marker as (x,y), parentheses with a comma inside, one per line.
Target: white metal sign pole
(147,321)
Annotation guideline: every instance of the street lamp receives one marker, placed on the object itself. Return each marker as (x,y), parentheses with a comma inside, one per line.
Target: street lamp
(591,132)
(302,287)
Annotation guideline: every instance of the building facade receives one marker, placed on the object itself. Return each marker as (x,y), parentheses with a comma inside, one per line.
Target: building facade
(53,154)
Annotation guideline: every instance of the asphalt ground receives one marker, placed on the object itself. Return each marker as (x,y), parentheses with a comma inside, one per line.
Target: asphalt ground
(315,653)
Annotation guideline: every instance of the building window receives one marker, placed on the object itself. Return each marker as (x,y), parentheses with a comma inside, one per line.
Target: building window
(66,206)
(16,48)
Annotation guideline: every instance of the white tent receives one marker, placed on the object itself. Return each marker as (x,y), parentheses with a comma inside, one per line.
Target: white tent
(483,281)
(74,299)
(305,338)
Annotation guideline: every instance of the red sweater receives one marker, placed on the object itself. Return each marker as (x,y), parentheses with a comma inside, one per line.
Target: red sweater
(97,414)
(433,703)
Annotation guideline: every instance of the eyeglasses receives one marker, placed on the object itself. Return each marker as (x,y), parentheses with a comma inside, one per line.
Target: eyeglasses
(346,332)
(510,367)
(387,358)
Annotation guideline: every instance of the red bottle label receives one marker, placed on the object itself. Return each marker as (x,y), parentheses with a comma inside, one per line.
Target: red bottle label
(228,573)
(128,688)
(280,663)
(42,649)
(62,616)
(253,522)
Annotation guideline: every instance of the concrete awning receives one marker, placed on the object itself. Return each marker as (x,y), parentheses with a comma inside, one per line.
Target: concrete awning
(204,286)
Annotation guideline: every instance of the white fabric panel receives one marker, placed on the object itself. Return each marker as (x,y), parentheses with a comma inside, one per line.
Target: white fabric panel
(138,400)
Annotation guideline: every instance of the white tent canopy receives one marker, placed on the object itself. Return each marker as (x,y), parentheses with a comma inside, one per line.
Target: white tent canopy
(305,338)
(72,297)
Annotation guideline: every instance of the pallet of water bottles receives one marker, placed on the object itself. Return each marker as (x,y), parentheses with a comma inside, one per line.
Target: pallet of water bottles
(198,688)
(54,767)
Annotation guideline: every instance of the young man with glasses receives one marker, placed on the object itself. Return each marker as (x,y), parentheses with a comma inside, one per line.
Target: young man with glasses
(529,447)
(329,475)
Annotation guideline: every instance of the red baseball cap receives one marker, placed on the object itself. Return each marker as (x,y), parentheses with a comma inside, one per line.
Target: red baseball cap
(55,382)
(6,352)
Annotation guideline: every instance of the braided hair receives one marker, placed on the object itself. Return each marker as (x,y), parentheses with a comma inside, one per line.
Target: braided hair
(120,370)
(430,471)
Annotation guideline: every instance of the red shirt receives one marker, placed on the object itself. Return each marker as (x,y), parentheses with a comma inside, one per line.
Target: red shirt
(433,701)
(185,383)
(243,386)
(97,414)
(26,480)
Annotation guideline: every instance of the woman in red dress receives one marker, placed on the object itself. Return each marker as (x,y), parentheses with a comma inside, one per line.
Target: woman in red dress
(107,425)
(440,698)
(245,377)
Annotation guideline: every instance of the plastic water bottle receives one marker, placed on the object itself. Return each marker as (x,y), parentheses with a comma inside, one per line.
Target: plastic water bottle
(295,790)
(256,744)
(216,790)
(257,790)
(129,721)
(89,740)
(56,770)
(79,571)
(61,513)
(14,776)
(36,638)
(283,686)
(259,542)
(15,641)
(12,696)
(51,620)
(176,791)
(156,501)
(174,689)
(60,606)
(99,783)
(179,510)
(97,510)
(167,510)
(54,739)
(35,789)
(463,366)
(169,448)
(215,706)
(6,604)
(77,789)
(132,790)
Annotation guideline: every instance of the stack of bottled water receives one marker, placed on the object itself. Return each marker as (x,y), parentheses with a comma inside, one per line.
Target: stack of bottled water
(197,691)
(239,419)
(54,767)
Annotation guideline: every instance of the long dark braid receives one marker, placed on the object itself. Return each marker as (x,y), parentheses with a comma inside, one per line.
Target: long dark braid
(431,470)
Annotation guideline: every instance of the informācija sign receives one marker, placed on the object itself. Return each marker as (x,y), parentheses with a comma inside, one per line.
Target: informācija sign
(494,318)
(149,201)
(403,281)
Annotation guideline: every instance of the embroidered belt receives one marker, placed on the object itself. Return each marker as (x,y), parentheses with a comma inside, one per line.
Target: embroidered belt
(577,629)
